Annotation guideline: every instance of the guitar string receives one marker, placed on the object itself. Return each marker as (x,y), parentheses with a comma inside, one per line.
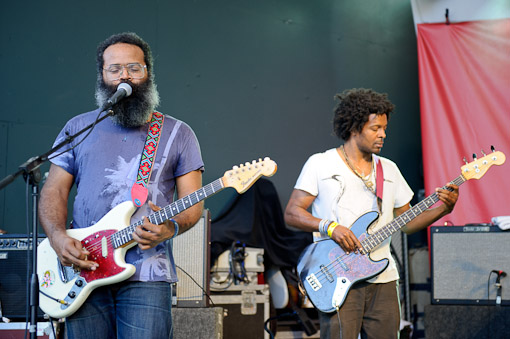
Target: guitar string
(321,275)
(336,262)
(95,247)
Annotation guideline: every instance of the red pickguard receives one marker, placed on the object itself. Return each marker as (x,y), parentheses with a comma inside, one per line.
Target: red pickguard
(107,265)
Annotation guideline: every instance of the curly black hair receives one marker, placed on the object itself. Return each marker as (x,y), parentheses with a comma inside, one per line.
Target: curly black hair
(355,106)
(127,38)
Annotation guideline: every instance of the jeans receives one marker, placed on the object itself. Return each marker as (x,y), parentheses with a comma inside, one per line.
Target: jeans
(130,309)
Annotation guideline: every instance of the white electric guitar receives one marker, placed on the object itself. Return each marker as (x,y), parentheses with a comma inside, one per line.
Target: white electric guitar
(64,289)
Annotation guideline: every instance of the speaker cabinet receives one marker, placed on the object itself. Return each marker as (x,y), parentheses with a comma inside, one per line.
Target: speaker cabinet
(466,322)
(197,322)
(191,254)
(14,274)
(463,259)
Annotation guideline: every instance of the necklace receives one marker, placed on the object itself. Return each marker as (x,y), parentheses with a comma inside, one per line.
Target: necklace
(367,181)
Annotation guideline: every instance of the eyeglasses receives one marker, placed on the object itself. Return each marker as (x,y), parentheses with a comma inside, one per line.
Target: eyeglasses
(135,70)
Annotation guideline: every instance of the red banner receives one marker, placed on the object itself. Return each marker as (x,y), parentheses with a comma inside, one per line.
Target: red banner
(464,72)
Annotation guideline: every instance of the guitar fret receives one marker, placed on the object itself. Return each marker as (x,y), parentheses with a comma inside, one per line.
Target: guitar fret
(209,189)
(115,240)
(124,237)
(179,206)
(152,219)
(185,201)
(164,210)
(160,221)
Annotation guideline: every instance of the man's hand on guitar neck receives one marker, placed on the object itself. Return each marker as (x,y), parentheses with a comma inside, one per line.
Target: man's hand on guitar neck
(148,235)
(448,196)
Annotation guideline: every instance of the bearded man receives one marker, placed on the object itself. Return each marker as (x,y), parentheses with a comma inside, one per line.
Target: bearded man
(105,166)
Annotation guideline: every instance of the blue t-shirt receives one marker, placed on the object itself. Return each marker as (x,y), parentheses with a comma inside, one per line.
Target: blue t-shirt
(105,165)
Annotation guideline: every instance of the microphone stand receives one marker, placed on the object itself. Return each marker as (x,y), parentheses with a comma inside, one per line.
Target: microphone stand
(32,173)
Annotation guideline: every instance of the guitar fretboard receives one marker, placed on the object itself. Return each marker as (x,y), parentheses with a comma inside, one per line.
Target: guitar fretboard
(125,235)
(373,240)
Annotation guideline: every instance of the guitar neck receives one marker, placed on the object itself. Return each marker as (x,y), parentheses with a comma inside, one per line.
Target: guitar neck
(374,240)
(124,237)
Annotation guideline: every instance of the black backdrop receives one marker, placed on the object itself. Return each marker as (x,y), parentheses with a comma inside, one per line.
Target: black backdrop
(252,78)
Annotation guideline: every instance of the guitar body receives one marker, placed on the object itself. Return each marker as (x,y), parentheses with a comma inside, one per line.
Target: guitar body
(74,286)
(62,289)
(327,273)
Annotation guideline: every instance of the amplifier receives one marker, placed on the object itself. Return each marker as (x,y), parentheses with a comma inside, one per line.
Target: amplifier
(191,252)
(15,265)
(463,259)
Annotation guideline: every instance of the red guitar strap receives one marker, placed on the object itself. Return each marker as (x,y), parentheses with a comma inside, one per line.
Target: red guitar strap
(379,182)
(139,191)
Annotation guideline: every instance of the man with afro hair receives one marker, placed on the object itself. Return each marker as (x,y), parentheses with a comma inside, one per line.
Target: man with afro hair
(340,185)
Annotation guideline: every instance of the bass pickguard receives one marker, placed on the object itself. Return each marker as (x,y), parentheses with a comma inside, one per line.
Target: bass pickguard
(328,273)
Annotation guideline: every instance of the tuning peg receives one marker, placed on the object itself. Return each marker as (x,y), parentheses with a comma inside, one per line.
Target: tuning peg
(465,161)
(474,156)
(492,148)
(483,153)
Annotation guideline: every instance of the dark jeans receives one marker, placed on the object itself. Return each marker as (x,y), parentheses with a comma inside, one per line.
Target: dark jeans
(125,310)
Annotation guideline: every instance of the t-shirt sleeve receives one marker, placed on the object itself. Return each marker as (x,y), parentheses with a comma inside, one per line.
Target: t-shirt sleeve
(404,193)
(307,180)
(190,157)
(64,157)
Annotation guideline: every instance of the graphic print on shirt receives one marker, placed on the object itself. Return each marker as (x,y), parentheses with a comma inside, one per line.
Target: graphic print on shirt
(120,179)
(335,203)
(152,267)
(151,264)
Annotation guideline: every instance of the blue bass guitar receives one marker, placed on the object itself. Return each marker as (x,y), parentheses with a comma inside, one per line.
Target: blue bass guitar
(327,273)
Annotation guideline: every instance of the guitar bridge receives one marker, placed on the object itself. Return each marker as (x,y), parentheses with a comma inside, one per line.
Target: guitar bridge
(314,282)
(67,273)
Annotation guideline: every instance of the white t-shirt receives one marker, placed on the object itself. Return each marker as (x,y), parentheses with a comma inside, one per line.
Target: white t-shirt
(342,196)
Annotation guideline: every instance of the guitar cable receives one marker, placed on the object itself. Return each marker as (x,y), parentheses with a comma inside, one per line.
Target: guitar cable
(60,301)
(196,283)
(340,336)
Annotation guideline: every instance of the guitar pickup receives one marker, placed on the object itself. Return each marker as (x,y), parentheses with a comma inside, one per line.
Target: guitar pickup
(326,272)
(314,282)
(104,247)
(342,264)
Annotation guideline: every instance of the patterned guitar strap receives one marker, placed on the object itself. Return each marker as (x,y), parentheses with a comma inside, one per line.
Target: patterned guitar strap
(140,191)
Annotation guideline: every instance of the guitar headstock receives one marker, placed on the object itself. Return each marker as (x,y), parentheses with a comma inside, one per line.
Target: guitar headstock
(477,168)
(243,176)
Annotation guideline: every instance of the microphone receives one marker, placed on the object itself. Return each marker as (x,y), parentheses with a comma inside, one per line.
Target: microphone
(501,274)
(123,90)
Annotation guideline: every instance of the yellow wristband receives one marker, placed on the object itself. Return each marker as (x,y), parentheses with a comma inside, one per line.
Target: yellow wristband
(331,228)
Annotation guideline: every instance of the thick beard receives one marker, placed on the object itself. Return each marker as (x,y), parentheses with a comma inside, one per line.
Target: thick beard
(132,111)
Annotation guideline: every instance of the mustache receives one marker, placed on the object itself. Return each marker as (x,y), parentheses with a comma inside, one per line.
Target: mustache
(132,111)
